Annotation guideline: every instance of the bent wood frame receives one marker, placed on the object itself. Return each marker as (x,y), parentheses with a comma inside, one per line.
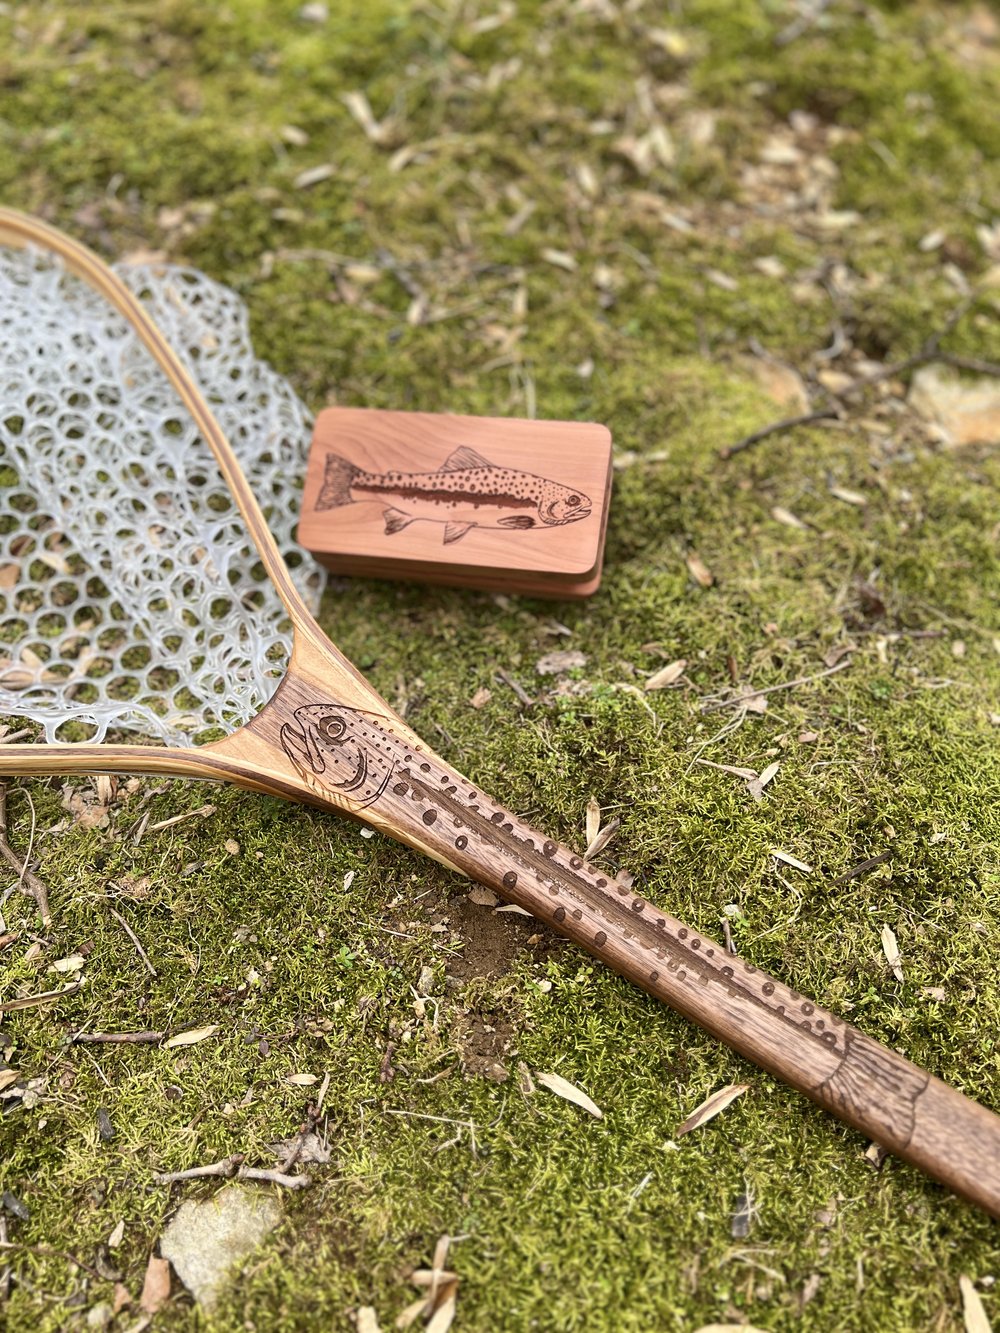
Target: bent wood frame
(327,738)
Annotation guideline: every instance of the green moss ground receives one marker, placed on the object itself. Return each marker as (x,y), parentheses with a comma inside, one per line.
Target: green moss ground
(160,125)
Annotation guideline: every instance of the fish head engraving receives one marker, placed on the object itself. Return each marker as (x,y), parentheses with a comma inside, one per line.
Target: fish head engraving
(561,504)
(341,750)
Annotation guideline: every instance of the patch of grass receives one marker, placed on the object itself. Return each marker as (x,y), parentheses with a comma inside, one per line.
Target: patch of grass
(163,126)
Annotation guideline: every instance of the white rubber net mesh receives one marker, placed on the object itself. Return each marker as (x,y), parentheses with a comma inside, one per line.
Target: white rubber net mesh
(131,597)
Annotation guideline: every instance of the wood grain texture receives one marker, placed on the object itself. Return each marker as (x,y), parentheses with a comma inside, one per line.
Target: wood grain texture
(474,501)
(328,738)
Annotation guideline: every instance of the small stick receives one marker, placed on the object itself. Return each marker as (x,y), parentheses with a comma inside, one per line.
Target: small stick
(711,704)
(202,812)
(135,940)
(787,423)
(28,882)
(232,1167)
(53,1254)
(138,829)
(922,358)
(727,935)
(119,1038)
(863,868)
(298,1182)
(228,1167)
(970,363)
(422,1115)
(312,1120)
(519,690)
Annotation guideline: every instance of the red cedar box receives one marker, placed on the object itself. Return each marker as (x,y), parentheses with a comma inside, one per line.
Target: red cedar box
(480,502)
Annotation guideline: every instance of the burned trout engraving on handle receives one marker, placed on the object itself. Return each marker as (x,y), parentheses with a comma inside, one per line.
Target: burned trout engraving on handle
(355,758)
(867,1067)
(340,752)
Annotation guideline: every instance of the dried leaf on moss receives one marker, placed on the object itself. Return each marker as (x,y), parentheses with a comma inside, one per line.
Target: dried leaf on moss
(191,1036)
(603,839)
(756,784)
(791,860)
(973,1314)
(790,520)
(848,497)
(570,1092)
(699,571)
(156,1285)
(729,1328)
(593,826)
(72,963)
(444,1315)
(667,675)
(890,947)
(711,1107)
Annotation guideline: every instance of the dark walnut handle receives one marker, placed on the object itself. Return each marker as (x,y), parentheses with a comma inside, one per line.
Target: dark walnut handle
(362,761)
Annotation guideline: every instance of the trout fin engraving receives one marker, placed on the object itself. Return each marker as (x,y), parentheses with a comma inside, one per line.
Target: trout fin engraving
(338,474)
(462,458)
(396,521)
(454,532)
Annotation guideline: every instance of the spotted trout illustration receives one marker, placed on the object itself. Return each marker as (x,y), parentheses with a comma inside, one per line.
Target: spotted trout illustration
(466,491)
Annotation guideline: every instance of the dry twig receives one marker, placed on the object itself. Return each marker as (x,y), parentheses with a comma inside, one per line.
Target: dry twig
(786,423)
(863,868)
(930,351)
(709,704)
(119,1038)
(202,812)
(313,1115)
(232,1168)
(5,1272)
(28,882)
(135,940)
(52,1254)
(518,689)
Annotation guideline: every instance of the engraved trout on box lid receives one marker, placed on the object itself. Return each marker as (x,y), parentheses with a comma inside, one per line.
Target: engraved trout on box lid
(466,491)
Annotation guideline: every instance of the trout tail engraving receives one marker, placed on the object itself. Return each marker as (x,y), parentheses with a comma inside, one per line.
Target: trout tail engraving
(867,1066)
(338,477)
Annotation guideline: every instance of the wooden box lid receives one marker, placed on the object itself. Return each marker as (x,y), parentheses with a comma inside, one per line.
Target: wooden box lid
(482,502)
